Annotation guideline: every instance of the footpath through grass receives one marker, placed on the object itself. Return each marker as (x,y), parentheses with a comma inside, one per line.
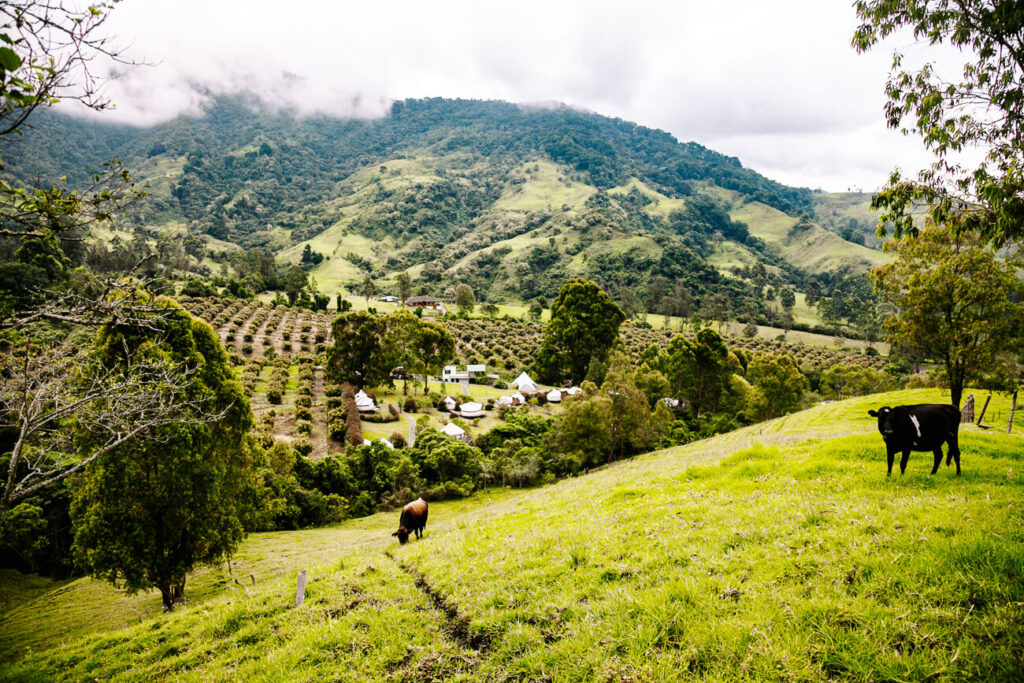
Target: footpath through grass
(777,552)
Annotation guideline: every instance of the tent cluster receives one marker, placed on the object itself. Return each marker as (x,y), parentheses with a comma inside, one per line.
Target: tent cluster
(470,409)
(526,387)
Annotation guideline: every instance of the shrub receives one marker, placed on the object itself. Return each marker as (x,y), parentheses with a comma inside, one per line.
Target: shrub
(247,349)
(304,401)
(303,445)
(337,429)
(354,430)
(397,440)
(410,405)
(499,384)
(304,427)
(303,413)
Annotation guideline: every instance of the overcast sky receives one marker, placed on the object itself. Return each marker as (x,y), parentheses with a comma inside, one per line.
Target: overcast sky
(773,82)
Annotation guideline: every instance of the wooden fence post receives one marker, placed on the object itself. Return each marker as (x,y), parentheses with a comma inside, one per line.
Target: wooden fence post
(300,591)
(1013,409)
(967,412)
(983,409)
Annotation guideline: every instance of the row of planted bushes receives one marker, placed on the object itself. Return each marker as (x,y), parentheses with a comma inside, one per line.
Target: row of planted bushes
(278,382)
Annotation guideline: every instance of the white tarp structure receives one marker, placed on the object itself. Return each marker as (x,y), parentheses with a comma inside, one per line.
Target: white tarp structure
(449,403)
(525,384)
(452,429)
(471,410)
(365,404)
(522,378)
(554,396)
(505,400)
(572,391)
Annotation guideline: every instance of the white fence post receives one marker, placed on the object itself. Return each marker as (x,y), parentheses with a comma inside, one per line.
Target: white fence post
(300,591)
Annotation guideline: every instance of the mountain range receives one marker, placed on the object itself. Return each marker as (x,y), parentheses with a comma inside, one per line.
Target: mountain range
(510,199)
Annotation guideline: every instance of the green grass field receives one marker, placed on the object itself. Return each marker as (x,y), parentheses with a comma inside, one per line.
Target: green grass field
(780,551)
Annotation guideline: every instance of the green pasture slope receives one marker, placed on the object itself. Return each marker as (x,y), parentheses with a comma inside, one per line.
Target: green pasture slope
(780,551)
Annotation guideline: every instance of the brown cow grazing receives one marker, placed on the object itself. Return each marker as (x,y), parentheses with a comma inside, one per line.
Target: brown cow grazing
(413,519)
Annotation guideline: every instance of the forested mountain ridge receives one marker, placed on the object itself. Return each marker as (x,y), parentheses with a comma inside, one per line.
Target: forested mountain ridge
(511,199)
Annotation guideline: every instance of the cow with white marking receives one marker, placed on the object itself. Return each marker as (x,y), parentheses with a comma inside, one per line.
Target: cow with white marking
(922,427)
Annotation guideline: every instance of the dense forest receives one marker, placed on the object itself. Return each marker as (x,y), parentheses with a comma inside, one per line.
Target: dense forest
(287,162)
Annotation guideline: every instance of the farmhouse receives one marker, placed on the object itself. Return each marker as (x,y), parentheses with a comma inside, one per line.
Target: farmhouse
(472,373)
(425,302)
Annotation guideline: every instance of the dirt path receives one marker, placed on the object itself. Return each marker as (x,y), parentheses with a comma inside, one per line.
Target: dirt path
(412,430)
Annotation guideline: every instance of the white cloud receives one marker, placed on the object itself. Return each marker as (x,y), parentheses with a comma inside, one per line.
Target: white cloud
(773,83)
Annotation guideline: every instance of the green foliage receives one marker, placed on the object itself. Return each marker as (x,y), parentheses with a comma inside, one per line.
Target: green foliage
(147,512)
(843,381)
(359,354)
(465,299)
(778,385)
(984,109)
(584,325)
(699,370)
(958,301)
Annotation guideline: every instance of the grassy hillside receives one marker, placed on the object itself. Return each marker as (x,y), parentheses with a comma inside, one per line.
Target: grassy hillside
(851,211)
(777,551)
(815,248)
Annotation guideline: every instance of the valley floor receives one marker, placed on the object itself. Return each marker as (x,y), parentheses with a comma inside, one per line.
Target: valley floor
(780,551)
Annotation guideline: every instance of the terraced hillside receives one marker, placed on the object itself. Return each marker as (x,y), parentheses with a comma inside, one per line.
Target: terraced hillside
(780,551)
(279,354)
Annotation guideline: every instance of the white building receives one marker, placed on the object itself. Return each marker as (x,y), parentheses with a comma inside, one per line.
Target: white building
(451,373)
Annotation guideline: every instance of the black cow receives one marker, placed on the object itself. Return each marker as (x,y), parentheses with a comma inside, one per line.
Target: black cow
(924,427)
(413,519)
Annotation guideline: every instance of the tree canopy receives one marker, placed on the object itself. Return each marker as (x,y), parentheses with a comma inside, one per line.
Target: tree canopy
(145,513)
(983,108)
(361,353)
(584,325)
(958,301)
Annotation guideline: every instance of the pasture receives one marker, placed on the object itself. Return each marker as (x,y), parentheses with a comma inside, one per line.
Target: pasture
(779,551)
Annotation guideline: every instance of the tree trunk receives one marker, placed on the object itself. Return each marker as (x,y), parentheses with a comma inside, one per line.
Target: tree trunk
(172,594)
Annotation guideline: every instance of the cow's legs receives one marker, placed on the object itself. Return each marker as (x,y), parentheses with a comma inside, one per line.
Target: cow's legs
(903,461)
(954,451)
(889,457)
(938,458)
